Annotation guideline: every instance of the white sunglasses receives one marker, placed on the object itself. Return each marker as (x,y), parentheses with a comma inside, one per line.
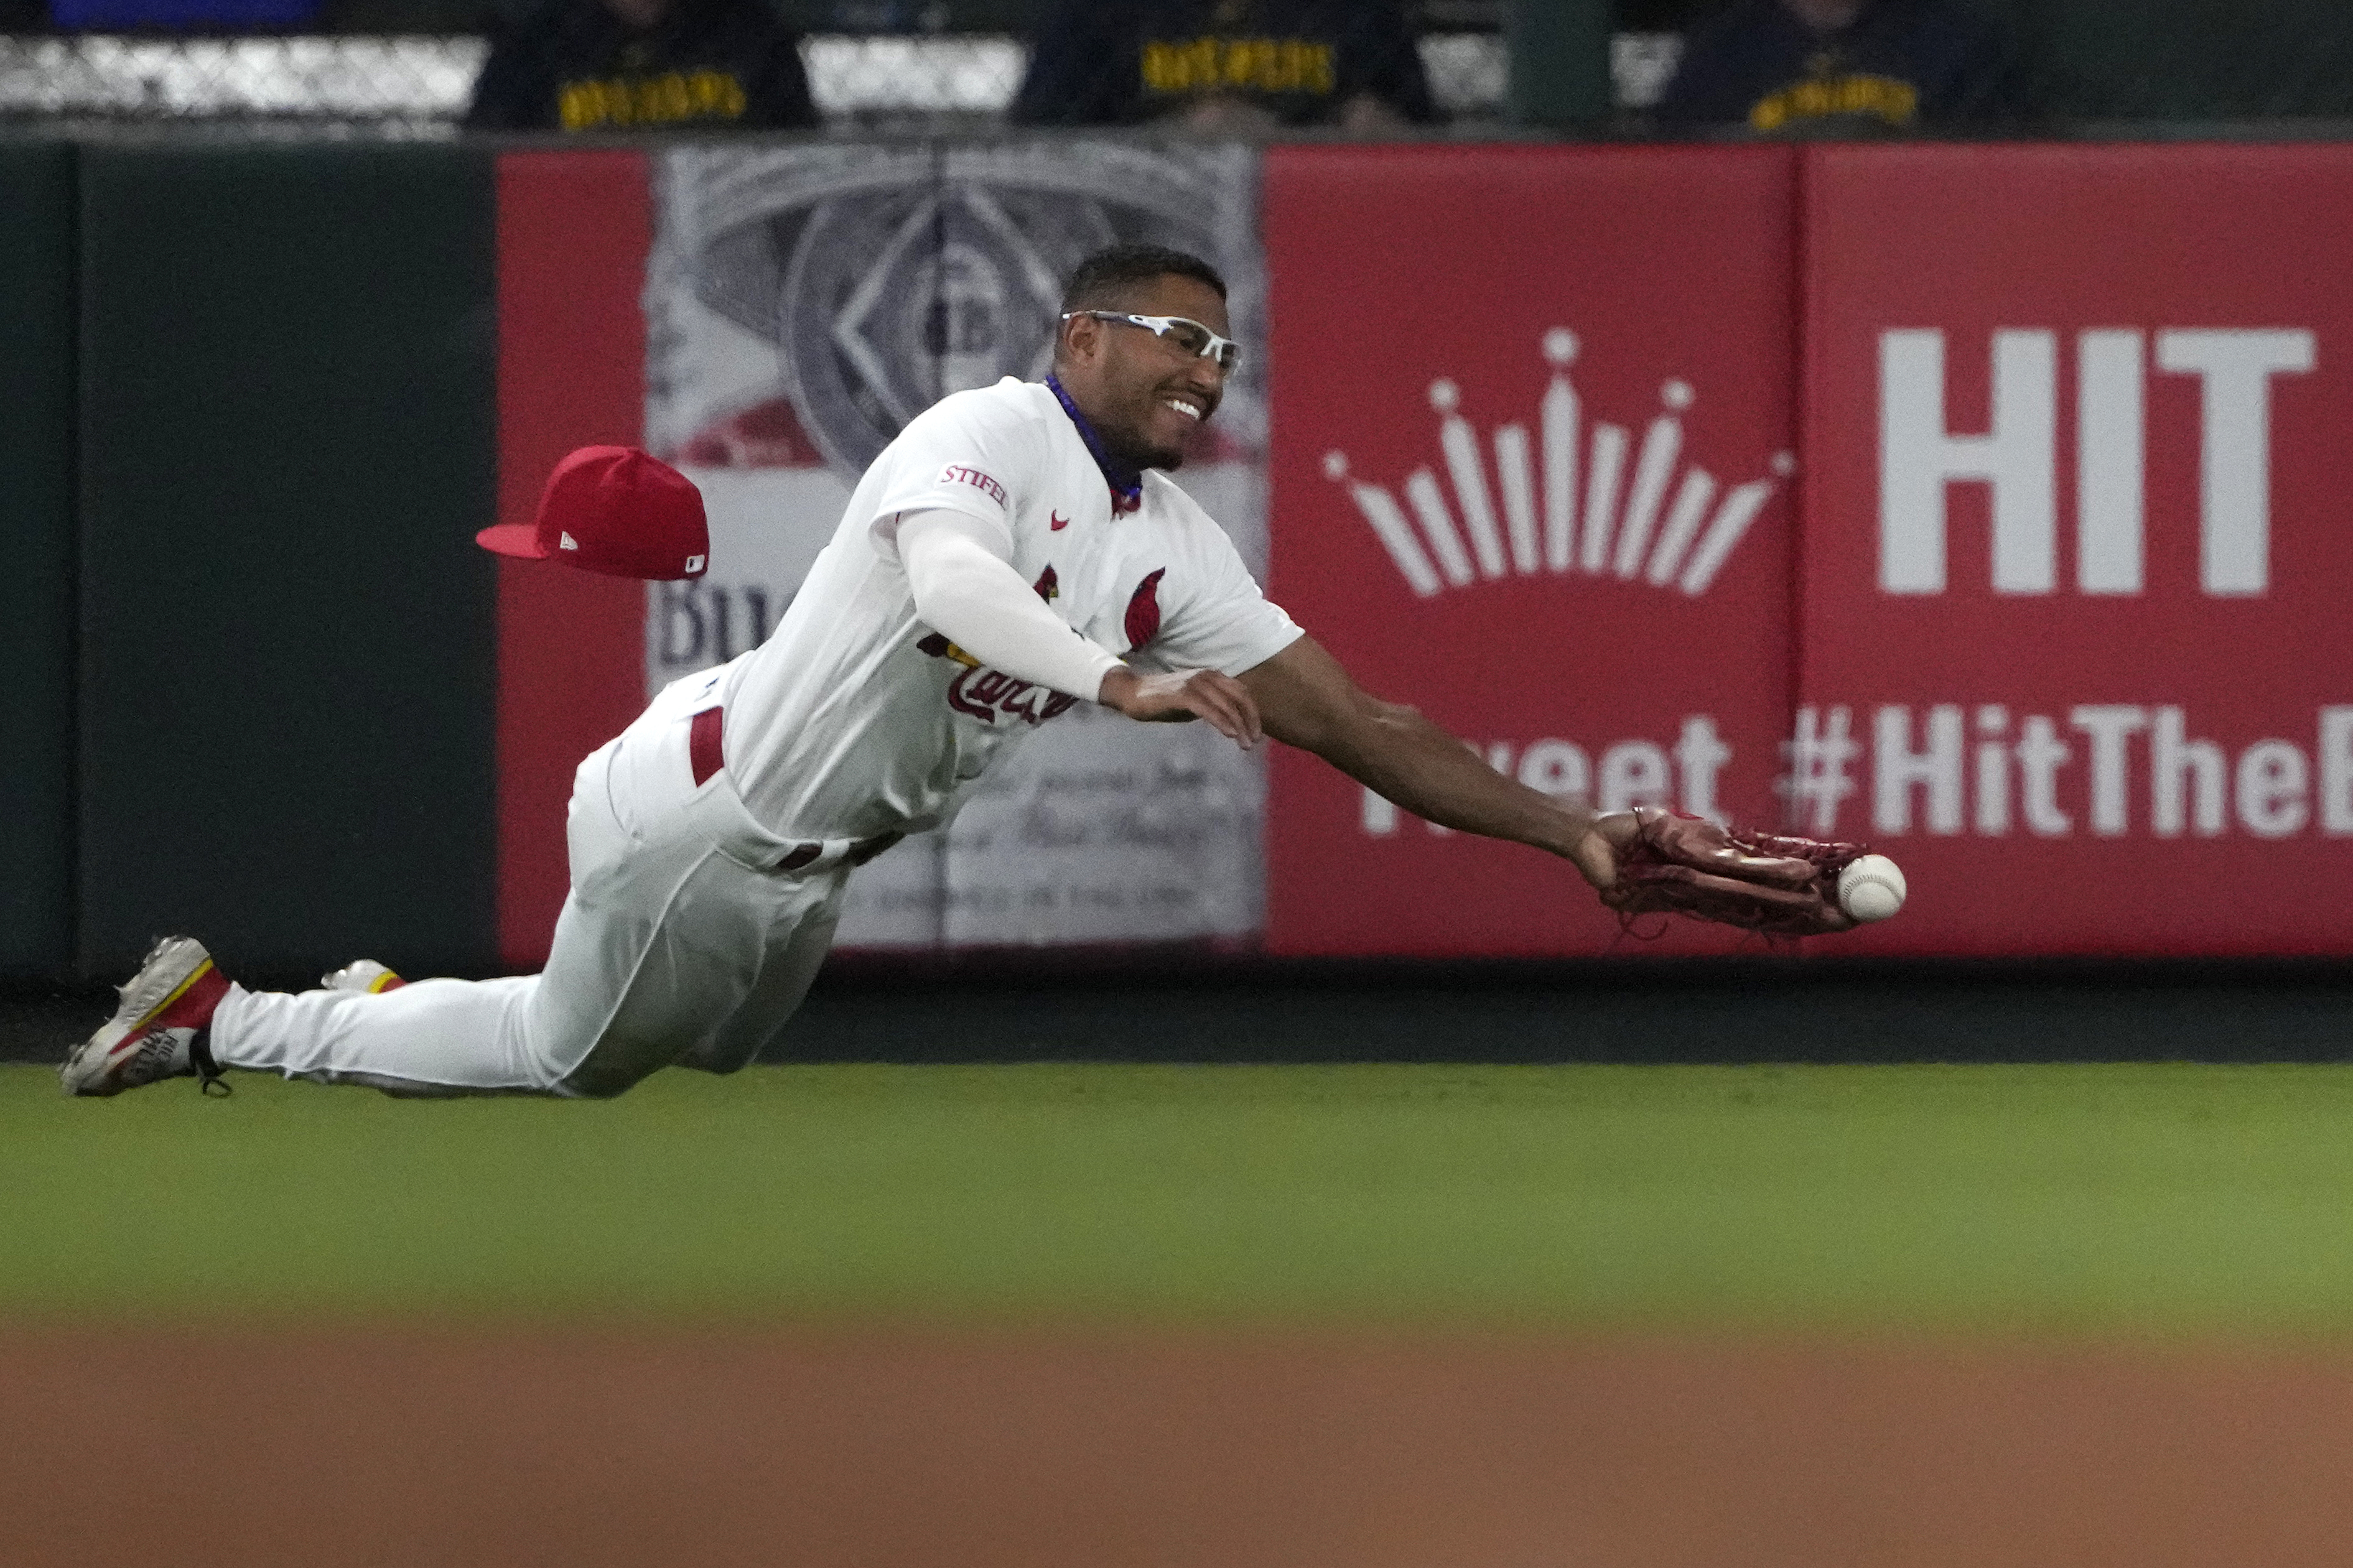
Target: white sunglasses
(1183,330)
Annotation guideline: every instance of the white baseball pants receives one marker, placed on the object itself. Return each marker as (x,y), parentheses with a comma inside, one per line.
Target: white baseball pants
(681,943)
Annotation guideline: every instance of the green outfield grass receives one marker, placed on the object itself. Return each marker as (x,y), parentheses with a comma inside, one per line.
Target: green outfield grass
(2156,1198)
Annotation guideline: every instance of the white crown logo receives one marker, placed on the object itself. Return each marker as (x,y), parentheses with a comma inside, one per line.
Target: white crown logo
(1687,551)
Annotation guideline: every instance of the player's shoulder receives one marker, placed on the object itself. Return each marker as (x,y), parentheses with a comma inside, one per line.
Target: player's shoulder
(1174,513)
(1011,406)
(993,431)
(1180,532)
(1166,500)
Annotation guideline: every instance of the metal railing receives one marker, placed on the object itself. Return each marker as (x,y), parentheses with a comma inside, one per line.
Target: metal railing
(82,76)
(424,83)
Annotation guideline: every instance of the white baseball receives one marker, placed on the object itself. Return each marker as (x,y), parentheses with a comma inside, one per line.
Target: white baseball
(1871,888)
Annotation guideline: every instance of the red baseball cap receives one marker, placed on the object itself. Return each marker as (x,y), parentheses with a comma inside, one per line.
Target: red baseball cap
(617,511)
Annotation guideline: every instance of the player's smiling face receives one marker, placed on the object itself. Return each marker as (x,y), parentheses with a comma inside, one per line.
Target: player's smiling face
(1146,394)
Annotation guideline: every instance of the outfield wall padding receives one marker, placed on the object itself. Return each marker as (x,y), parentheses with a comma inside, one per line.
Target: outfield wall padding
(1681,484)
(572,237)
(2072,602)
(1623,309)
(37,534)
(1686,477)
(287,645)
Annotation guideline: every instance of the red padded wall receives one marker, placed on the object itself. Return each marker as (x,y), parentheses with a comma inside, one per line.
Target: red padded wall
(573,230)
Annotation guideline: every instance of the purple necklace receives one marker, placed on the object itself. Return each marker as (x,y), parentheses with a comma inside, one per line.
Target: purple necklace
(1126,484)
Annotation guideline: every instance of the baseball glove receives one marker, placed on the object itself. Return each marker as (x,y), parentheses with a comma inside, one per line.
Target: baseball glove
(1759,881)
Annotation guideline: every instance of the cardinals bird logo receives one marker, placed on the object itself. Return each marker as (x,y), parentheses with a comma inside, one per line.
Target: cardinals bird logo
(1144,611)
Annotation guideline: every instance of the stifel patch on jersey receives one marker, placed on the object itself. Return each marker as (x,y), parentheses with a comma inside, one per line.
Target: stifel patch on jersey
(958,473)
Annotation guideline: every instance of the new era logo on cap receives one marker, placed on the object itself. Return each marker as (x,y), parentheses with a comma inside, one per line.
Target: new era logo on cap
(617,511)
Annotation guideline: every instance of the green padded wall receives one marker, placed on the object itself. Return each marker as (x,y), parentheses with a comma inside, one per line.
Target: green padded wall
(1559,61)
(2185,60)
(2180,61)
(287,631)
(36,544)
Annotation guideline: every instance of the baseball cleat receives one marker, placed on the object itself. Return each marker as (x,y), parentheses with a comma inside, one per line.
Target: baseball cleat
(361,974)
(159,1029)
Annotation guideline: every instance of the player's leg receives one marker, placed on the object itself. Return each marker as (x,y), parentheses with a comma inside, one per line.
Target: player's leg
(481,1036)
(680,941)
(714,985)
(796,953)
(666,937)
(630,987)
(677,928)
(361,974)
(179,1015)
(449,1036)
(705,975)
(734,943)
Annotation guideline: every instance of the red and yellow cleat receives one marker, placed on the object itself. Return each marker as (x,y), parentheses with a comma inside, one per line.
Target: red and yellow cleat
(158,1030)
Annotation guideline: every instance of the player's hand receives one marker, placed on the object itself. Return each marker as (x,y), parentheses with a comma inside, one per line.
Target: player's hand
(1184,695)
(1758,881)
(1596,854)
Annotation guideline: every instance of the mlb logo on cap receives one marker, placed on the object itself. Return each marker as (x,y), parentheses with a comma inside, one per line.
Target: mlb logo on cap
(617,511)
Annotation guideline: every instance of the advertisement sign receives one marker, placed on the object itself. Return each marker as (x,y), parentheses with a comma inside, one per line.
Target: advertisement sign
(802,304)
(2073,645)
(1976,502)
(1532,465)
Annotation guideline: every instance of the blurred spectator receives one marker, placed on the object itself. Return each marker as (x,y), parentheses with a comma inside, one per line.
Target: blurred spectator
(1801,68)
(1225,64)
(618,65)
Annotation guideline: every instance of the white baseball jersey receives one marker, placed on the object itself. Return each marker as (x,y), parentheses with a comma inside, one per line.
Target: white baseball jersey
(681,942)
(855,718)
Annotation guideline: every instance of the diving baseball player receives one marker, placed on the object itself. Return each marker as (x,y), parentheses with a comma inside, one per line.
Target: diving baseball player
(1018,549)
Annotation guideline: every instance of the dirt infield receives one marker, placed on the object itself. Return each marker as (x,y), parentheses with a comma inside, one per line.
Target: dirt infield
(1102,1450)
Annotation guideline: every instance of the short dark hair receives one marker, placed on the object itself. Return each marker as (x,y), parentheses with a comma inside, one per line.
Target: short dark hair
(1103,279)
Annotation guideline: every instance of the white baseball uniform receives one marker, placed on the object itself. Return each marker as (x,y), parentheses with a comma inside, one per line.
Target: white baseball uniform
(711,841)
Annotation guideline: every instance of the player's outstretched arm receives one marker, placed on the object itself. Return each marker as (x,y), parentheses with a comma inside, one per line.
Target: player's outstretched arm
(1307,700)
